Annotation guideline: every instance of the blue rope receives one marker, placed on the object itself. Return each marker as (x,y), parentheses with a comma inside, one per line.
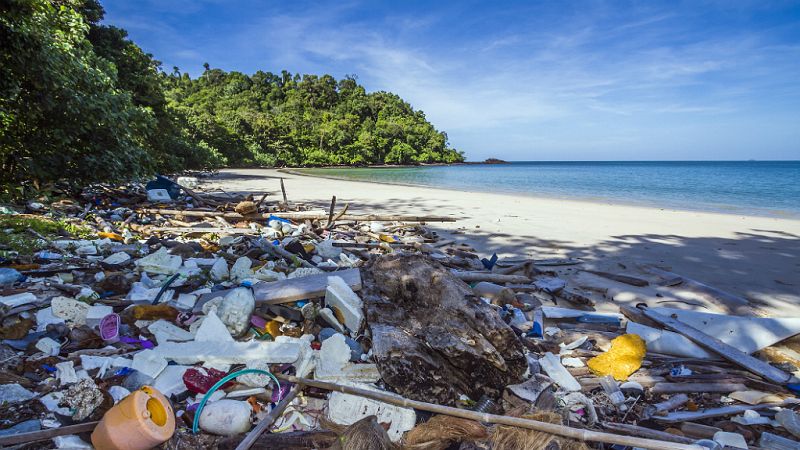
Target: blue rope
(220,383)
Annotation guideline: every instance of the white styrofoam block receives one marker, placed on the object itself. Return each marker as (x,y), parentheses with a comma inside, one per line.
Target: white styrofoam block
(160,262)
(219,270)
(229,352)
(96,313)
(212,329)
(339,296)
(346,409)
(334,363)
(170,381)
(65,371)
(165,331)
(48,346)
(149,362)
(241,269)
(72,311)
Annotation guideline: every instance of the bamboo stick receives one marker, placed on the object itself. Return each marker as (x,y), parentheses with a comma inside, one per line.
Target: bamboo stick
(266,422)
(560,430)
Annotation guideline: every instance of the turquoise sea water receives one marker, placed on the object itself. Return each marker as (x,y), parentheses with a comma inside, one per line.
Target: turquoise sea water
(770,188)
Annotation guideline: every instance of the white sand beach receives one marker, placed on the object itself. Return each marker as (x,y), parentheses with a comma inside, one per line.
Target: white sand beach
(757,258)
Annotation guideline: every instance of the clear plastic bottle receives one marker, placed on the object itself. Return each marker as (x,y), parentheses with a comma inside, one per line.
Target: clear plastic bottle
(614,393)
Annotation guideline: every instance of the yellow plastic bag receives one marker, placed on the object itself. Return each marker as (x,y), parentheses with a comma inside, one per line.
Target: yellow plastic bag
(624,358)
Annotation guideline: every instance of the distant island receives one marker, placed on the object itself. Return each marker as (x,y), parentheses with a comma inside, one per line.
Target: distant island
(488,161)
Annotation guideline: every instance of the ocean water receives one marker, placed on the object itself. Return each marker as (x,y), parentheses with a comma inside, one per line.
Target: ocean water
(769,188)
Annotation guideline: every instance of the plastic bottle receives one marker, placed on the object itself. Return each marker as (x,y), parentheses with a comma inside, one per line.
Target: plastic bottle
(614,393)
(140,421)
(226,417)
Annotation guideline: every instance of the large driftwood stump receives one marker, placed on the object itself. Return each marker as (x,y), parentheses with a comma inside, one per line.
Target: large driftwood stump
(433,339)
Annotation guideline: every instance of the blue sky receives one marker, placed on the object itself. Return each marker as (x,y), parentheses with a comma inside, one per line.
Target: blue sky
(551,80)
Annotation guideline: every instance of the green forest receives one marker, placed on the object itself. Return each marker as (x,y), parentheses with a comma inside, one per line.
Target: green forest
(81,103)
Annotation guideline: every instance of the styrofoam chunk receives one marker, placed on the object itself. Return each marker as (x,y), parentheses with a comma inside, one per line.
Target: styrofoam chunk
(149,362)
(341,298)
(72,311)
(165,331)
(212,329)
(230,352)
(346,409)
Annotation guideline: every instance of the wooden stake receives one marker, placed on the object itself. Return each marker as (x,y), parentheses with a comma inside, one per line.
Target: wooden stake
(551,428)
(330,213)
(283,191)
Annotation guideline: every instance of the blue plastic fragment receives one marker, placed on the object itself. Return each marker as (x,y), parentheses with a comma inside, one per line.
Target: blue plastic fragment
(279,219)
(489,263)
(49,368)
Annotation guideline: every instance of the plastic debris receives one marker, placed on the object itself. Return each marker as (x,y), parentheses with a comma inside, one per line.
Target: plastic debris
(226,417)
(623,359)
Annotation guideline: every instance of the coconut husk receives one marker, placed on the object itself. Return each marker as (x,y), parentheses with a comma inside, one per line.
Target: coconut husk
(505,437)
(441,431)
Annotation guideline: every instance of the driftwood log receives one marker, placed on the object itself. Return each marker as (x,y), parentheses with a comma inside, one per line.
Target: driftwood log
(433,339)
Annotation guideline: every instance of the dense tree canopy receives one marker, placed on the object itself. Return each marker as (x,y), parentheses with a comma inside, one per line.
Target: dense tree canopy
(81,102)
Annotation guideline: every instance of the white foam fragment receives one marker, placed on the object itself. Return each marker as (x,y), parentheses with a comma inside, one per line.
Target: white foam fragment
(341,298)
(170,380)
(230,352)
(212,329)
(65,372)
(165,331)
(346,409)
(72,311)
(149,362)
(12,301)
(334,363)
(160,262)
(96,313)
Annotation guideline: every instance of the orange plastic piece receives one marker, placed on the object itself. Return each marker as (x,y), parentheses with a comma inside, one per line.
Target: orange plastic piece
(112,236)
(140,421)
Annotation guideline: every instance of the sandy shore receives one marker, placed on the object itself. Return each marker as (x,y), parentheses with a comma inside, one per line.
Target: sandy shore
(757,258)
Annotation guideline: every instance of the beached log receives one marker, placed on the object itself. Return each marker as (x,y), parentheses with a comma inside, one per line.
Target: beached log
(302,215)
(545,427)
(633,281)
(432,337)
(471,276)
